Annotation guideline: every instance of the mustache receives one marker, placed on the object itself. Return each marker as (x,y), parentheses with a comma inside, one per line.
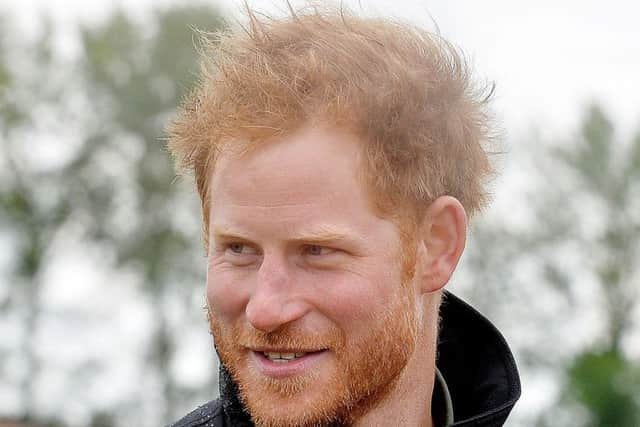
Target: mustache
(288,337)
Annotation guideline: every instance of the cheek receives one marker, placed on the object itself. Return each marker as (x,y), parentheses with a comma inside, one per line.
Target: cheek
(227,293)
(355,300)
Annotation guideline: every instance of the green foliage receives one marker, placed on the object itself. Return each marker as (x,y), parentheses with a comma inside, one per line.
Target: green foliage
(607,384)
(138,75)
(118,186)
(137,79)
(585,232)
(603,231)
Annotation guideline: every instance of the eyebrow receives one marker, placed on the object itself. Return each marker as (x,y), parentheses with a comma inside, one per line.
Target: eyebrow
(318,234)
(324,235)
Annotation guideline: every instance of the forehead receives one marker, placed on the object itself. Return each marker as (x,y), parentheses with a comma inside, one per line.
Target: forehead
(309,179)
(315,159)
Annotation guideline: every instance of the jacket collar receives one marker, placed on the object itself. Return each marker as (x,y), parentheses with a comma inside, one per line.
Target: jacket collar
(473,358)
(477,365)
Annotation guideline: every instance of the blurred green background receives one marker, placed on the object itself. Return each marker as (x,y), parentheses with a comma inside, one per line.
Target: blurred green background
(101,260)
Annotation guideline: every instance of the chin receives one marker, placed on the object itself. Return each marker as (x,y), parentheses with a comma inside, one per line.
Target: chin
(293,403)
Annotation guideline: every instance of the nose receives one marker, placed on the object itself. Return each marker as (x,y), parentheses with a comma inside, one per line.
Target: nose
(274,302)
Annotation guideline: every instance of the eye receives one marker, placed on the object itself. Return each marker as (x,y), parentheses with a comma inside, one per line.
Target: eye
(317,250)
(240,249)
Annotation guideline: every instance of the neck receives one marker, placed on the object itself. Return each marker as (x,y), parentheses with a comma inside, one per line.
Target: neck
(409,403)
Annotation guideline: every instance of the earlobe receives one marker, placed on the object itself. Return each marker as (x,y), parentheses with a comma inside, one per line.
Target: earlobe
(443,237)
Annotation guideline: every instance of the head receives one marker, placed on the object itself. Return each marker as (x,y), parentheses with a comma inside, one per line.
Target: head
(337,159)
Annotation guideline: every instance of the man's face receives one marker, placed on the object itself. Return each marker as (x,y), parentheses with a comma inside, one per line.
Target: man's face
(308,309)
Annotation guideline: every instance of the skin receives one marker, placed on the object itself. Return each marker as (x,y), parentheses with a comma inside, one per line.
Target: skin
(299,261)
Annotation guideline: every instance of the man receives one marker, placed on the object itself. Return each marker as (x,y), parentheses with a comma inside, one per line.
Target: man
(337,160)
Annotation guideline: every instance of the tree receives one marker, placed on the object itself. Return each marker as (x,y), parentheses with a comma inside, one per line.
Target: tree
(576,257)
(602,379)
(116,182)
(29,218)
(138,79)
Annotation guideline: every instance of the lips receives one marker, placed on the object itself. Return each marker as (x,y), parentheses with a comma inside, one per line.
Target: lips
(283,357)
(280,364)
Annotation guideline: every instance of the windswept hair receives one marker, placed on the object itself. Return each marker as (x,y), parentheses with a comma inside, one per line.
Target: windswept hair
(405,92)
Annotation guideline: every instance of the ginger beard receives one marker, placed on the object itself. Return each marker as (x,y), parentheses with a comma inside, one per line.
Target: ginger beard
(362,372)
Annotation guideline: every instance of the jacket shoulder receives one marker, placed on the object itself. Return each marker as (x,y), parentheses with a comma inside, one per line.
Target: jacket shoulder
(209,415)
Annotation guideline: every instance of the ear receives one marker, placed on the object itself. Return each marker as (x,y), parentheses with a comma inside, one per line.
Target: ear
(442,239)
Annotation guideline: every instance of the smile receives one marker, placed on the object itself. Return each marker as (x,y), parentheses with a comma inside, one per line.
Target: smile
(282,364)
(282,357)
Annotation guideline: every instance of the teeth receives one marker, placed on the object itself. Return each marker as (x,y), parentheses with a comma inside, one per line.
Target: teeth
(282,357)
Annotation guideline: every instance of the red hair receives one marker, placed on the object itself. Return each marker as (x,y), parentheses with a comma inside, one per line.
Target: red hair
(405,92)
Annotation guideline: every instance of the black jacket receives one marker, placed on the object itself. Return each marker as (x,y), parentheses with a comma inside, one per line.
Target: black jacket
(473,357)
